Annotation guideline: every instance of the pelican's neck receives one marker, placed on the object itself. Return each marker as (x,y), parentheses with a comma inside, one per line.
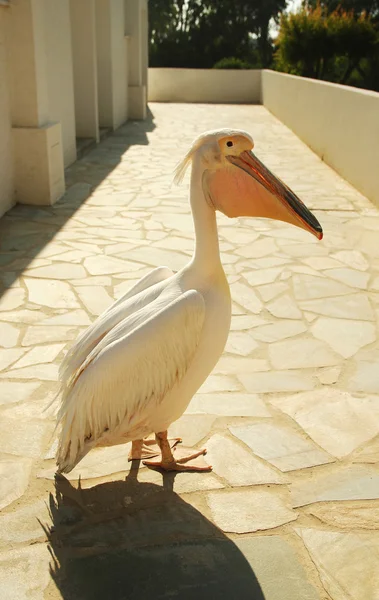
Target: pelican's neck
(207,252)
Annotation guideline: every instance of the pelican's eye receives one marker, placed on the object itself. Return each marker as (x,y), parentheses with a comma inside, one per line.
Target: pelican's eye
(230,144)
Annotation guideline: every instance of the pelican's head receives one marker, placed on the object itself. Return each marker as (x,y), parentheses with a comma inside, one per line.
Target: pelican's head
(236,183)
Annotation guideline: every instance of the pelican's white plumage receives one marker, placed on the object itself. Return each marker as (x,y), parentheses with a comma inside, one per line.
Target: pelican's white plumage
(135,369)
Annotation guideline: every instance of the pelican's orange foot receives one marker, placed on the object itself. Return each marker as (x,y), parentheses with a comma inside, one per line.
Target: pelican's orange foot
(181,459)
(143,449)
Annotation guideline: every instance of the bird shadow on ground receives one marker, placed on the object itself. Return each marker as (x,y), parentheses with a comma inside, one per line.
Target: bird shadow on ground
(126,540)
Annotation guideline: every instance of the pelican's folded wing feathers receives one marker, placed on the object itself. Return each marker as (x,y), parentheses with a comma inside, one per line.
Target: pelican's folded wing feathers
(127,374)
(137,297)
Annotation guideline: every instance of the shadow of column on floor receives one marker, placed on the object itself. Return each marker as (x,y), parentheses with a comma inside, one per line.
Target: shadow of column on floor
(126,540)
(26,230)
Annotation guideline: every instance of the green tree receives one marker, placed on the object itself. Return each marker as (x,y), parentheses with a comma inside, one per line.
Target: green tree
(199,33)
(337,46)
(370,7)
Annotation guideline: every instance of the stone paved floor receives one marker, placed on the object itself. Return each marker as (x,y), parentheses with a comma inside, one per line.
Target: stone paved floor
(290,415)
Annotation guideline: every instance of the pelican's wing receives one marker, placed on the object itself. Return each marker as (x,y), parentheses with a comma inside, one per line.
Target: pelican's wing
(130,302)
(159,274)
(128,374)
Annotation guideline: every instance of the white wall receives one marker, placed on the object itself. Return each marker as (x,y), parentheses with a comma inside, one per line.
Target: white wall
(60,73)
(219,86)
(6,150)
(339,123)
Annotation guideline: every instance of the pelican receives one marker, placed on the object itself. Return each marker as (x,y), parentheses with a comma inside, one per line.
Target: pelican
(134,371)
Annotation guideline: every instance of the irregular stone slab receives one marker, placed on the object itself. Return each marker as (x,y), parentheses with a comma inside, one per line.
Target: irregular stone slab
(72,256)
(368,454)
(237,465)
(159,257)
(8,335)
(276,381)
(284,307)
(23,525)
(245,511)
(350,421)
(73,317)
(352,258)
(279,330)
(246,297)
(219,383)
(53,293)
(345,336)
(100,462)
(345,561)
(365,378)
(24,572)
(94,280)
(308,287)
(233,364)
(355,482)
(241,343)
(197,482)
(329,376)
(192,428)
(39,334)
(277,568)
(106,265)
(14,478)
(261,276)
(21,316)
(262,247)
(243,322)
(301,353)
(289,270)
(40,354)
(344,515)
(95,298)
(228,405)
(356,305)
(12,298)
(265,263)
(301,250)
(58,271)
(12,391)
(281,445)
(48,372)
(321,262)
(268,292)
(9,356)
(23,438)
(350,277)
(32,408)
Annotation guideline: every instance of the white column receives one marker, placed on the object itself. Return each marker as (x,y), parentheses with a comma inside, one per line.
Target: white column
(136,28)
(6,160)
(111,63)
(83,32)
(38,156)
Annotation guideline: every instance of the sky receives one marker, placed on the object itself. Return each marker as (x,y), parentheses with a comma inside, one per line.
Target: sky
(292,6)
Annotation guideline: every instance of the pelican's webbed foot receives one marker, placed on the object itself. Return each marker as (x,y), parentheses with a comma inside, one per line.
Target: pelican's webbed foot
(177,458)
(144,449)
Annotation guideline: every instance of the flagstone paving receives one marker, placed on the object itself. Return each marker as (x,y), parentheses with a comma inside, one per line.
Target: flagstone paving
(290,414)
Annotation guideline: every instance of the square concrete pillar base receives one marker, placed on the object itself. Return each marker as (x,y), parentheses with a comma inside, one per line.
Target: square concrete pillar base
(39,169)
(137,102)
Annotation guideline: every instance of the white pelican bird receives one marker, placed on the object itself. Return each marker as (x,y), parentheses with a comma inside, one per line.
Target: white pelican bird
(134,371)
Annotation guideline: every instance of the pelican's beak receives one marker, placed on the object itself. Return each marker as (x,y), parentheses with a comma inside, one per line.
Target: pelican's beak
(261,194)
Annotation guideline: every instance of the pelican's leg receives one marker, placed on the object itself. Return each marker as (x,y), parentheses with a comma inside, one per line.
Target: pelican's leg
(177,458)
(142,449)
